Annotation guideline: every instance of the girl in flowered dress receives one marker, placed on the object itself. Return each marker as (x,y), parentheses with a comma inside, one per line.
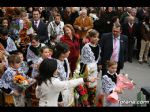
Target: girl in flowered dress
(109,81)
(2,69)
(24,65)
(45,52)
(33,56)
(61,53)
(5,89)
(90,55)
(7,42)
(12,70)
(25,68)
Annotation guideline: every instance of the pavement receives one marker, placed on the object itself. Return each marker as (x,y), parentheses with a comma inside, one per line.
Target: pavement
(140,73)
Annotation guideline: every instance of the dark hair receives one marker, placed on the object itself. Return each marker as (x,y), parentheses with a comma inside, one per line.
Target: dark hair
(5,18)
(46,70)
(43,48)
(53,37)
(93,11)
(146,19)
(114,19)
(57,15)
(107,8)
(59,49)
(35,37)
(117,25)
(4,31)
(36,9)
(14,58)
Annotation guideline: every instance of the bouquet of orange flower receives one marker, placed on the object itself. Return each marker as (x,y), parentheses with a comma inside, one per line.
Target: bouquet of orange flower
(21,81)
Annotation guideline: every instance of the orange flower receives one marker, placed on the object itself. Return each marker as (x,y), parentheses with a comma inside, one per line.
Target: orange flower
(19,79)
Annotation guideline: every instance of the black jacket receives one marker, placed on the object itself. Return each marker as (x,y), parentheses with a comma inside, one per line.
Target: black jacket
(106,44)
(41,31)
(125,31)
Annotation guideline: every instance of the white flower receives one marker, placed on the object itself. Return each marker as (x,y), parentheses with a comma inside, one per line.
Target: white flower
(78,66)
(77,71)
(24,82)
(126,75)
(76,96)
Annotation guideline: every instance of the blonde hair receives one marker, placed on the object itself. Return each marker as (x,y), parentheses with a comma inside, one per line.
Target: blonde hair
(92,32)
(2,56)
(111,63)
(1,70)
(14,58)
(70,27)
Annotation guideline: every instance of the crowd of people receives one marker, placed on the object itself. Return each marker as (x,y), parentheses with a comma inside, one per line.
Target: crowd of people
(63,49)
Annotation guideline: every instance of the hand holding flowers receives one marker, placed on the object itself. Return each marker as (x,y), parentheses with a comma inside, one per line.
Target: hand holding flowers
(118,90)
(23,82)
(123,82)
(19,79)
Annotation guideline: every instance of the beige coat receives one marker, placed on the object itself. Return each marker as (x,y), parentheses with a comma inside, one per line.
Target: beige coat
(88,22)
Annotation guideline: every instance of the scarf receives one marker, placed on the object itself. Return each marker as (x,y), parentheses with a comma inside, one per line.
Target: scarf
(35,49)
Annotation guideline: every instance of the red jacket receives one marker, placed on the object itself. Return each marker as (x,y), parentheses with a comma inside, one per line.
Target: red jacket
(74,46)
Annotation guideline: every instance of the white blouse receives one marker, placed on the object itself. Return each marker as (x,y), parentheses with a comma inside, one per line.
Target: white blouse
(10,45)
(48,92)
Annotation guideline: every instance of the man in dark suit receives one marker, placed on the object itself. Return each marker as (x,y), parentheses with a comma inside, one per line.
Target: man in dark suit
(114,46)
(130,29)
(39,26)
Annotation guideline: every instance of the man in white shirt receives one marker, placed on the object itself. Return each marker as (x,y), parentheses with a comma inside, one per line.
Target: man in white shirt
(55,28)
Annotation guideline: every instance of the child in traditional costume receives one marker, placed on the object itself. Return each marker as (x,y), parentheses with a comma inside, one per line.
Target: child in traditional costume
(61,53)
(109,81)
(8,76)
(7,42)
(33,54)
(90,55)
